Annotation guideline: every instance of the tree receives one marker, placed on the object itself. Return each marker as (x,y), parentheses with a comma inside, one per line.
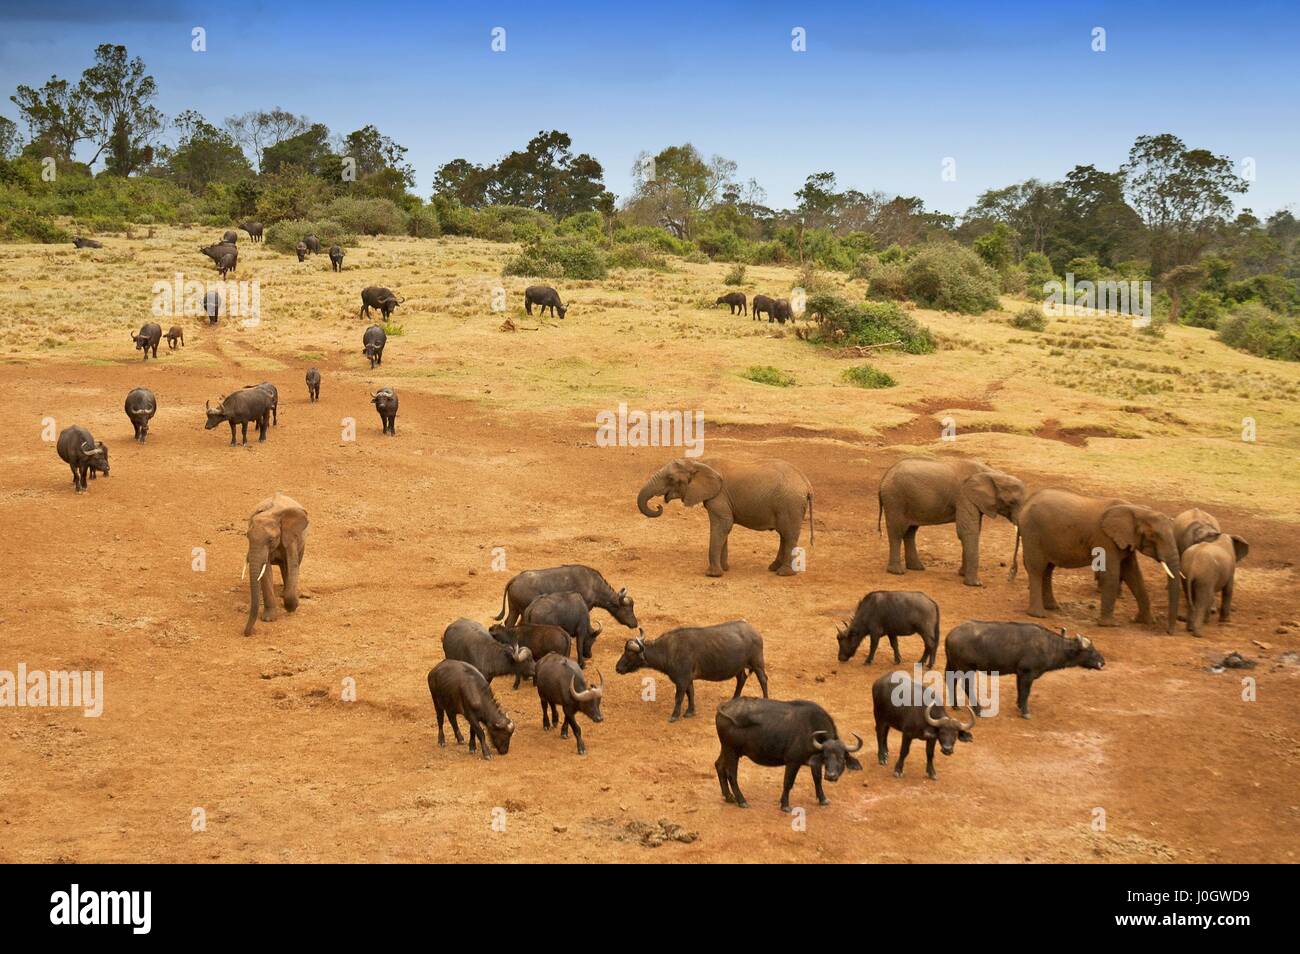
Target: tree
(204,154)
(120,114)
(544,175)
(10,145)
(375,153)
(307,152)
(56,116)
(1028,208)
(682,186)
(464,182)
(1095,220)
(1182,195)
(258,130)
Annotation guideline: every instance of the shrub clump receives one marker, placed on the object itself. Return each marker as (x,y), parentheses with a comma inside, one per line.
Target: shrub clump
(639,255)
(365,216)
(284,236)
(885,279)
(559,258)
(735,275)
(766,374)
(865,376)
(1253,328)
(1029,318)
(843,323)
(950,277)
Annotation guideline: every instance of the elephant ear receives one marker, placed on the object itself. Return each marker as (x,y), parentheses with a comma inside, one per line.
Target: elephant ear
(705,484)
(1201,533)
(982,492)
(1240,547)
(1120,524)
(293,524)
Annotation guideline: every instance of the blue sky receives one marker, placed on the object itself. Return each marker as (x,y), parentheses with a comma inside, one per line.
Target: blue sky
(883,94)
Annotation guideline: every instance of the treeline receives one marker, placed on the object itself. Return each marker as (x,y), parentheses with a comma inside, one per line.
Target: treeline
(1169,214)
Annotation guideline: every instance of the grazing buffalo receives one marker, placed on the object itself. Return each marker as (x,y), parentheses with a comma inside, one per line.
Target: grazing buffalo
(525,587)
(570,612)
(385,402)
(254,230)
(250,404)
(219,250)
(560,682)
(374,296)
(336,258)
(83,454)
(458,688)
(893,614)
(174,334)
(538,638)
(713,653)
(212,306)
(273,393)
(313,384)
(148,337)
(80,242)
(140,407)
(372,344)
(312,243)
(230,237)
(227,263)
(912,708)
(760,305)
(470,642)
(771,733)
(781,312)
(737,302)
(1026,649)
(544,296)
(301,249)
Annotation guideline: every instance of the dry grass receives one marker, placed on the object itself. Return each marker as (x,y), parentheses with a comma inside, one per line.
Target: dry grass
(1163,415)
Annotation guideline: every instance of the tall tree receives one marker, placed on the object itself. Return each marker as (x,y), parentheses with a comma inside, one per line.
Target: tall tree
(258,130)
(122,119)
(204,154)
(682,184)
(56,116)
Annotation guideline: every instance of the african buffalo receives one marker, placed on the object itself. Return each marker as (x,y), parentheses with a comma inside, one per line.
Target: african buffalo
(336,258)
(545,297)
(737,302)
(457,688)
(80,242)
(560,682)
(250,404)
(893,614)
(1026,649)
(254,230)
(470,642)
(539,639)
(525,587)
(148,337)
(372,344)
(713,653)
(273,393)
(140,407)
(312,243)
(313,384)
(917,712)
(385,402)
(83,454)
(793,734)
(174,334)
(570,612)
(301,249)
(374,296)
(761,304)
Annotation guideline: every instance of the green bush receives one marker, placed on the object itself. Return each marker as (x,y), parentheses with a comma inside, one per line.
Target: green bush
(766,374)
(559,258)
(950,277)
(735,275)
(364,216)
(285,236)
(885,280)
(639,255)
(1205,310)
(660,239)
(1029,318)
(1254,328)
(25,225)
(422,222)
(865,376)
(873,322)
(1038,272)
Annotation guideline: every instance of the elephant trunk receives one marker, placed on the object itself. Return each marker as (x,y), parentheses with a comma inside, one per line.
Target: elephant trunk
(257,565)
(291,582)
(654,487)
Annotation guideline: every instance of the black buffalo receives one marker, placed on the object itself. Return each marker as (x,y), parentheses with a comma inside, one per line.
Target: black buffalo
(254,230)
(713,653)
(1026,649)
(313,384)
(372,344)
(274,395)
(80,242)
(250,404)
(83,454)
(793,734)
(140,407)
(560,683)
(385,402)
(525,587)
(544,296)
(374,296)
(312,243)
(571,613)
(760,305)
(891,614)
(737,302)
(147,338)
(470,642)
(917,712)
(457,688)
(539,639)
(336,258)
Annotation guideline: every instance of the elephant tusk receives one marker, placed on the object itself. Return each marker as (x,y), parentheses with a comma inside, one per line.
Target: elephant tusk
(244,571)
(1168,572)
(263,573)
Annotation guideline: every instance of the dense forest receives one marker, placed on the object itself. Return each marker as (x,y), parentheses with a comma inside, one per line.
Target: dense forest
(1171,214)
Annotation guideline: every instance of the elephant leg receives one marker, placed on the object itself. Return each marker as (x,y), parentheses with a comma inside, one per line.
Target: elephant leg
(1049,594)
(1225,603)
(785,552)
(1036,570)
(269,611)
(1132,576)
(1110,581)
(909,546)
(726,560)
(970,558)
(895,550)
(719,527)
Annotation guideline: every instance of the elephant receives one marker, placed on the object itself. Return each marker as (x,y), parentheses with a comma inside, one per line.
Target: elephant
(760,495)
(1065,529)
(922,492)
(277,534)
(1192,526)
(1209,567)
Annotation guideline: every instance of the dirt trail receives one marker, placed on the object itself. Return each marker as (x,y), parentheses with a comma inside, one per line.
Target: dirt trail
(254,733)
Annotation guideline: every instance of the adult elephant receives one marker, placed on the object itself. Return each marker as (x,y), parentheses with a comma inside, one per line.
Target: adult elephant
(923,492)
(277,535)
(1064,529)
(762,495)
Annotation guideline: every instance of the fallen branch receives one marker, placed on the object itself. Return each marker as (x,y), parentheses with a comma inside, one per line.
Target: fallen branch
(861,351)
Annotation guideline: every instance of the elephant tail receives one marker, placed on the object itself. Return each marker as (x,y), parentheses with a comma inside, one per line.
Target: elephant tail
(811,540)
(880,510)
(1014,553)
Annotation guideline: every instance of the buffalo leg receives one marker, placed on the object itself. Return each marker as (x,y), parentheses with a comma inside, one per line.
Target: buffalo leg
(791,773)
(740,683)
(577,733)
(817,784)
(1024,682)
(690,700)
(546,718)
(719,766)
(679,696)
(761,673)
(455,728)
(442,736)
(893,644)
(929,759)
(902,754)
(871,653)
(882,742)
(476,729)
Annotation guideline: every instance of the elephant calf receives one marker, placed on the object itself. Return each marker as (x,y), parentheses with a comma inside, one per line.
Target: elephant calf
(923,492)
(277,535)
(1210,567)
(763,495)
